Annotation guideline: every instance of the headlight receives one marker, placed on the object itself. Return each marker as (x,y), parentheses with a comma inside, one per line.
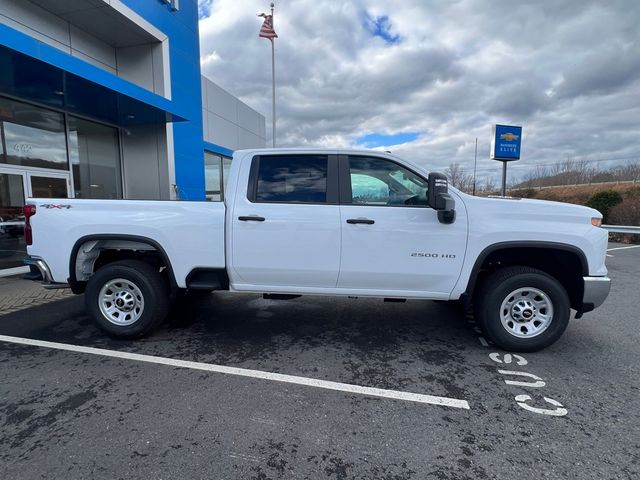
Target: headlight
(596,222)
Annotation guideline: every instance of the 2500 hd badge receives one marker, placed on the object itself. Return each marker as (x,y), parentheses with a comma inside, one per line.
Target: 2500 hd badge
(433,255)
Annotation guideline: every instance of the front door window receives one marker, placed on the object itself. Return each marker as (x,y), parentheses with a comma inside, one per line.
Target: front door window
(376,181)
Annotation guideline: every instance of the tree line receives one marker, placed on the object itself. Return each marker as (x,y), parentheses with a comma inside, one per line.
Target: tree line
(565,172)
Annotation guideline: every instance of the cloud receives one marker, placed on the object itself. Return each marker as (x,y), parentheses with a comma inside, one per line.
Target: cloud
(517,100)
(568,72)
(609,68)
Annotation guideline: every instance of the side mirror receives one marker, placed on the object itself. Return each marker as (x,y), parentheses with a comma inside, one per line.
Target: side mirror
(439,198)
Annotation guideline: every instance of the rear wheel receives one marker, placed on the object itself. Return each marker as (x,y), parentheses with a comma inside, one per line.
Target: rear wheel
(127,299)
(522,309)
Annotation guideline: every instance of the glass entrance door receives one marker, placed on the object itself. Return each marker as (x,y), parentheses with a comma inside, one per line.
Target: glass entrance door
(47,185)
(15,187)
(12,197)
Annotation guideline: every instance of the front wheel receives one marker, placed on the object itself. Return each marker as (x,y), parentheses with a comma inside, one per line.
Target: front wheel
(127,299)
(522,309)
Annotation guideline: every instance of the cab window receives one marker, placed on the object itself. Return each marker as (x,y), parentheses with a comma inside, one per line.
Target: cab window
(376,181)
(292,179)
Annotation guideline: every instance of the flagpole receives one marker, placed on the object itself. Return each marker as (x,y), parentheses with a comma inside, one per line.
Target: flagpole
(273,78)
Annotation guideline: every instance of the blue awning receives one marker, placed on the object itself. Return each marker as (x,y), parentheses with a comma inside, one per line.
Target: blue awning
(35,71)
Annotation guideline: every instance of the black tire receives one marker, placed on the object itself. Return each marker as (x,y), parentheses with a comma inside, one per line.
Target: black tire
(152,288)
(496,289)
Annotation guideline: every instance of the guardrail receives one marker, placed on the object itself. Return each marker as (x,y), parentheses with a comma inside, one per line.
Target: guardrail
(622,229)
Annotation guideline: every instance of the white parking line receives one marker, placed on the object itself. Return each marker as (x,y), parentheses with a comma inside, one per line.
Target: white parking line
(243,372)
(622,248)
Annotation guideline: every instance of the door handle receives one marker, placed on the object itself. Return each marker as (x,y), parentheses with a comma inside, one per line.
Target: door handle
(251,218)
(364,221)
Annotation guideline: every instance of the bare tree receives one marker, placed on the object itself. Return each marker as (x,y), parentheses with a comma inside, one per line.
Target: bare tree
(572,171)
(628,172)
(454,172)
(582,171)
(541,174)
(538,177)
(489,185)
(459,178)
(529,179)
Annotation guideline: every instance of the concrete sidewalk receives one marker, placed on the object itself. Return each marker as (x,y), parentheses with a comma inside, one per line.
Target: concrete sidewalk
(17,293)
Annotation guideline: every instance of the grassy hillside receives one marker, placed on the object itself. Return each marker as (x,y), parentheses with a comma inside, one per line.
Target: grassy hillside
(577,194)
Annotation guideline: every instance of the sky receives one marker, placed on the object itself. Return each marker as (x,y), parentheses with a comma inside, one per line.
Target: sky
(425,78)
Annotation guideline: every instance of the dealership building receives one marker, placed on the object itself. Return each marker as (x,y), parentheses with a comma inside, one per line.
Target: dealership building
(105,99)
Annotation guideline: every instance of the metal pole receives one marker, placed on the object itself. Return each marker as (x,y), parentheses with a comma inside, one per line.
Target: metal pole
(504,179)
(273,77)
(475,163)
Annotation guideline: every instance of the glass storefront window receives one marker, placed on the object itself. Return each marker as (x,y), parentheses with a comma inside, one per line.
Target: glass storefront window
(35,162)
(32,136)
(212,177)
(95,158)
(216,174)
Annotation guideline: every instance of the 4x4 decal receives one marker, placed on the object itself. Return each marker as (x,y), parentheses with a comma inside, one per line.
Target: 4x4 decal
(59,206)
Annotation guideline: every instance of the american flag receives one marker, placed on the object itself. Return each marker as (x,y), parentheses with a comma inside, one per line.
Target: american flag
(267,31)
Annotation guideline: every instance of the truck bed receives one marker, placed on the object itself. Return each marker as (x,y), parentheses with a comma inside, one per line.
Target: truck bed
(191,234)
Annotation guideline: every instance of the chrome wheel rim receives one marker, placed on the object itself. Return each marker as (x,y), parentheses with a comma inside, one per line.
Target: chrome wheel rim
(121,302)
(526,312)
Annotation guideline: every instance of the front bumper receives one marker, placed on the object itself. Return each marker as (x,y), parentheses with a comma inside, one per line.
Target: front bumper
(596,290)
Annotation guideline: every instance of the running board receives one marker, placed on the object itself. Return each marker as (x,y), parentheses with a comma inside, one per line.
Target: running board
(279,296)
(55,286)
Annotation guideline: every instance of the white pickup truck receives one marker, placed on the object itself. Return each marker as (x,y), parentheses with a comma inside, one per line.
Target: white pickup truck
(328,222)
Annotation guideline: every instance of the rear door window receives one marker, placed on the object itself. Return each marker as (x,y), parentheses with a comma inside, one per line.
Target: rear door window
(291,179)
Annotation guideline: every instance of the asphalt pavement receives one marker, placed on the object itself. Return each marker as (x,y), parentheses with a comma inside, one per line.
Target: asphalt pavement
(293,404)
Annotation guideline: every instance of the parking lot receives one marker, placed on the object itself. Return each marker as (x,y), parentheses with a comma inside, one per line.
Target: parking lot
(320,388)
